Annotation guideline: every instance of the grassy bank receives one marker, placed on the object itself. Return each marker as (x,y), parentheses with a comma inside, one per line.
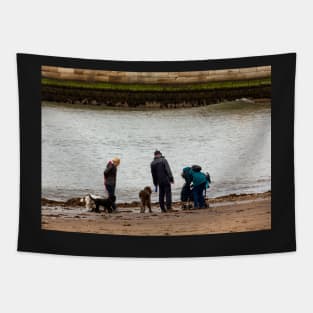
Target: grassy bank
(156,87)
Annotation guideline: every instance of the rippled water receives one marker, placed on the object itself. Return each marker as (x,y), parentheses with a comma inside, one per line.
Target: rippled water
(230,140)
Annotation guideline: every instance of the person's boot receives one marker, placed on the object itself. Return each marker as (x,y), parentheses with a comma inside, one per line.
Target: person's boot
(114,207)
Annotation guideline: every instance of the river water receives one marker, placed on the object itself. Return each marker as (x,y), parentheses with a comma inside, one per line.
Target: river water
(232,141)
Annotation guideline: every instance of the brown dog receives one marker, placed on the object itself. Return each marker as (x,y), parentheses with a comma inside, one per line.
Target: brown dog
(145,197)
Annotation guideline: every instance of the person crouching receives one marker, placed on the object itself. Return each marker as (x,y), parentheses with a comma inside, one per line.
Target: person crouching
(200,183)
(186,195)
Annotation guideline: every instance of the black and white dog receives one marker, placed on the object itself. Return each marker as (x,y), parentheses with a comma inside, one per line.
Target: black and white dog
(93,200)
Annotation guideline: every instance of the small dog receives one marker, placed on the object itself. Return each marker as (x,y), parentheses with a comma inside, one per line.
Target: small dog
(88,203)
(91,200)
(145,197)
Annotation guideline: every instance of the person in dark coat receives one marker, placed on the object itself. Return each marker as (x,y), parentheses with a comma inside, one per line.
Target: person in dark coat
(110,179)
(186,195)
(163,178)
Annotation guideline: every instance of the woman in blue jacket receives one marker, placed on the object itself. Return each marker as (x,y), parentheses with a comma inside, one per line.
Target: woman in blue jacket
(200,183)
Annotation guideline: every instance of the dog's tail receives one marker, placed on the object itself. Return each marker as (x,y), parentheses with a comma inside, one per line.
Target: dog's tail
(91,197)
(95,197)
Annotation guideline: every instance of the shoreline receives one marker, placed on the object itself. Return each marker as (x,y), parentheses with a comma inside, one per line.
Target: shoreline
(182,106)
(230,197)
(152,96)
(226,214)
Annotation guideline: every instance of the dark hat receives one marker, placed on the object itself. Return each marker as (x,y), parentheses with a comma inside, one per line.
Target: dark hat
(157,152)
(196,168)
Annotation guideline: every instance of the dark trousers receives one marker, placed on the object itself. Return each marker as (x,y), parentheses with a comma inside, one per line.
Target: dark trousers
(186,193)
(111,192)
(198,196)
(165,192)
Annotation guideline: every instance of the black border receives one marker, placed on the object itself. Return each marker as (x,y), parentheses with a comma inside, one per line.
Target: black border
(281,238)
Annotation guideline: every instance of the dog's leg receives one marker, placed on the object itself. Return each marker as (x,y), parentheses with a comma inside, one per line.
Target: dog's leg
(97,208)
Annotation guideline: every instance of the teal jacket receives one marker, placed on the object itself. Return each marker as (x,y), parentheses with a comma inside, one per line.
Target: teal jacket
(186,174)
(199,178)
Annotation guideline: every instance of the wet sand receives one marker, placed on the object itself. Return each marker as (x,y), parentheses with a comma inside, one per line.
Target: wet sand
(233,213)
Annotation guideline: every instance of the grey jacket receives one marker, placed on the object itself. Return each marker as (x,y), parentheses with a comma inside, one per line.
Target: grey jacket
(161,172)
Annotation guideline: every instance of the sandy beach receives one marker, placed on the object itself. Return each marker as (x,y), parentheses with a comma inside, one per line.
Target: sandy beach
(233,213)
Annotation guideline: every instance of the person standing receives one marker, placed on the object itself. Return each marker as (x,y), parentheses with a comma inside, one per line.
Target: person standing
(163,178)
(110,179)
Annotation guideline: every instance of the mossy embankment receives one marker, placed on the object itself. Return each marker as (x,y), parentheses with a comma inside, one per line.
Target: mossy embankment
(152,95)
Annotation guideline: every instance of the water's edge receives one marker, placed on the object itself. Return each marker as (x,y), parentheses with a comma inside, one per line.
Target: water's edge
(76,202)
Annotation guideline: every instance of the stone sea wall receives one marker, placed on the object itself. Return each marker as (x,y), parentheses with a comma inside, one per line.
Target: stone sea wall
(123,77)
